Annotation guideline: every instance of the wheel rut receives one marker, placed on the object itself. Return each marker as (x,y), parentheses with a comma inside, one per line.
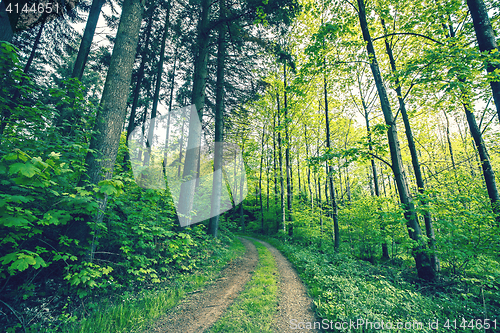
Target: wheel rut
(295,307)
(200,310)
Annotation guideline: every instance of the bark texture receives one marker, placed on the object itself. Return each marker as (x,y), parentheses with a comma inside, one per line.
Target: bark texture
(488,173)
(334,212)
(198,100)
(487,42)
(289,191)
(213,227)
(112,108)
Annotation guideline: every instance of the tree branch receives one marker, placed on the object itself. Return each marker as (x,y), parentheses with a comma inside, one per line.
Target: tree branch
(380,159)
(408,33)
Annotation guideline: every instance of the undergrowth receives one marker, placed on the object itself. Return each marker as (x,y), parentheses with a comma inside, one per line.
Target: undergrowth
(132,313)
(134,310)
(363,295)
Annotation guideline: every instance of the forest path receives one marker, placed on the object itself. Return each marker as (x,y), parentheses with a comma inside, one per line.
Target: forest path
(294,305)
(200,311)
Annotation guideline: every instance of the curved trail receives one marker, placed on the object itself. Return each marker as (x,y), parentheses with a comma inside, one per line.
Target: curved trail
(200,311)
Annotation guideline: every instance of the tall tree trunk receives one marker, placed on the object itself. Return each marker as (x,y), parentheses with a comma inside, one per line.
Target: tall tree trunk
(487,42)
(287,160)
(275,163)
(414,156)
(140,77)
(280,158)
(308,167)
(213,226)
(88,36)
(172,86)
(156,96)
(6,28)
(113,107)
(488,173)
(260,181)
(422,260)
(330,173)
(320,205)
(242,182)
(450,147)
(298,171)
(36,43)
(267,171)
(181,146)
(186,197)
(113,103)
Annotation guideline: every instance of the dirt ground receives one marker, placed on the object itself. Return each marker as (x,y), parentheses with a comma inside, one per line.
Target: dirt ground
(201,309)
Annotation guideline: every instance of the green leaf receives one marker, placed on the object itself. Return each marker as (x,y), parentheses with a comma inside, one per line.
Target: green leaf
(108,189)
(21,261)
(25,169)
(11,221)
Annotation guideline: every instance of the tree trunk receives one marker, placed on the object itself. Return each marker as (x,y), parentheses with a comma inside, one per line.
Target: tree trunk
(330,174)
(35,45)
(280,158)
(414,156)
(6,29)
(113,103)
(172,86)
(267,171)
(275,165)
(422,260)
(213,226)
(242,181)
(287,160)
(88,36)
(260,181)
(308,167)
(138,85)
(298,171)
(186,197)
(450,147)
(113,106)
(181,144)
(275,168)
(488,173)
(487,42)
(156,96)
(320,206)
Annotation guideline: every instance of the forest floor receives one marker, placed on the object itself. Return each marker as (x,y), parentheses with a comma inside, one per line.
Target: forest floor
(199,311)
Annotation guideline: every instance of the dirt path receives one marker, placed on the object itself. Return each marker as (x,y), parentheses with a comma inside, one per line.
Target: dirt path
(294,305)
(200,310)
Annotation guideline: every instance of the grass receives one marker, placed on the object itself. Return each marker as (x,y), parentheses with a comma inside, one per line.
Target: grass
(133,313)
(255,308)
(347,290)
